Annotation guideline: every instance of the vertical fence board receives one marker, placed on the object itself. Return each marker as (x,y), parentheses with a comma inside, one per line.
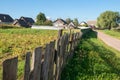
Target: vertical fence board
(36,64)
(27,66)
(51,68)
(46,63)
(10,69)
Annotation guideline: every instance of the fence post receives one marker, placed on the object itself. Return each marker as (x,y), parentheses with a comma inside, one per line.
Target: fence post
(27,66)
(10,69)
(36,64)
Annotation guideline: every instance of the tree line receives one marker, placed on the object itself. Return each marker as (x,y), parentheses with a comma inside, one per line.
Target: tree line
(42,20)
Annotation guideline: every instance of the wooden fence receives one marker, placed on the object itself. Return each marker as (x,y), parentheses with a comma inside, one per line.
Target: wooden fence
(44,64)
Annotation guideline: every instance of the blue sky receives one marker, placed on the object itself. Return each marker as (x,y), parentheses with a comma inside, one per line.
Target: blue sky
(82,9)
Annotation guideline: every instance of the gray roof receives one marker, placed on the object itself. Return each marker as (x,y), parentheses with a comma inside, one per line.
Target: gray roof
(20,23)
(28,20)
(61,21)
(5,18)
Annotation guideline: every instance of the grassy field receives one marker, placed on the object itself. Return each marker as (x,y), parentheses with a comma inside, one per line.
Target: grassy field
(113,33)
(18,41)
(93,60)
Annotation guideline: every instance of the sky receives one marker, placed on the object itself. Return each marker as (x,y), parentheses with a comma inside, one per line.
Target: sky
(84,10)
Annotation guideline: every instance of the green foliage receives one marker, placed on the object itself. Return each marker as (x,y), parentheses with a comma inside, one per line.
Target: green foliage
(92,61)
(41,20)
(108,19)
(76,22)
(48,22)
(68,20)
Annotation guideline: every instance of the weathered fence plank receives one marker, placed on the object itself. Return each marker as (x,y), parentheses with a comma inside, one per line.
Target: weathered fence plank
(10,69)
(51,67)
(36,64)
(27,66)
(46,63)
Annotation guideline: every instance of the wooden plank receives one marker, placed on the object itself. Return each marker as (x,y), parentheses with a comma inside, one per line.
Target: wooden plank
(57,60)
(51,67)
(60,33)
(10,69)
(36,64)
(27,66)
(46,63)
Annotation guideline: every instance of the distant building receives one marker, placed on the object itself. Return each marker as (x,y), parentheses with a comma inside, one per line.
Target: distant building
(71,25)
(83,23)
(24,21)
(92,22)
(60,23)
(5,19)
(19,22)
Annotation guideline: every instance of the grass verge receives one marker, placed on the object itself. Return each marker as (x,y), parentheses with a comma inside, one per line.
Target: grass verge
(113,33)
(93,60)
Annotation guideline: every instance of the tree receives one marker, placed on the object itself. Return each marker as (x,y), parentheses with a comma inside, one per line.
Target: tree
(75,21)
(68,20)
(108,19)
(41,18)
(48,23)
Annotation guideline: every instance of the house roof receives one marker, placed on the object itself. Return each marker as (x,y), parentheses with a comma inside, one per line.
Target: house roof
(71,24)
(20,22)
(92,22)
(28,20)
(83,22)
(5,18)
(61,21)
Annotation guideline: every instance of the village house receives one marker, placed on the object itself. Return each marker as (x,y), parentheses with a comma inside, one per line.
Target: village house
(71,25)
(5,19)
(92,23)
(83,23)
(60,23)
(24,21)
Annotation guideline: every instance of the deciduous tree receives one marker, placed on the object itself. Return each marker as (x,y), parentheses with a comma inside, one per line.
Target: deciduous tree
(108,19)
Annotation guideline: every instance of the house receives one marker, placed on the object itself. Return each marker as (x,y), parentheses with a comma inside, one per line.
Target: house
(24,21)
(83,23)
(19,22)
(60,23)
(5,19)
(92,22)
(71,25)
(28,20)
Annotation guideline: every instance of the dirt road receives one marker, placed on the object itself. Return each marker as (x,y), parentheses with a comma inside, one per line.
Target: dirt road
(113,42)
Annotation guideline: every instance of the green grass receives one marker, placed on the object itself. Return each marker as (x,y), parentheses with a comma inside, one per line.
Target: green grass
(93,60)
(113,33)
(19,41)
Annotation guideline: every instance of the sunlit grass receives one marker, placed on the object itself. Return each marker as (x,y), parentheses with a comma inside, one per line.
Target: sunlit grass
(93,60)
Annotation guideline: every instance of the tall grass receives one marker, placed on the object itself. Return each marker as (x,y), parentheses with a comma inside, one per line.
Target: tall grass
(93,60)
